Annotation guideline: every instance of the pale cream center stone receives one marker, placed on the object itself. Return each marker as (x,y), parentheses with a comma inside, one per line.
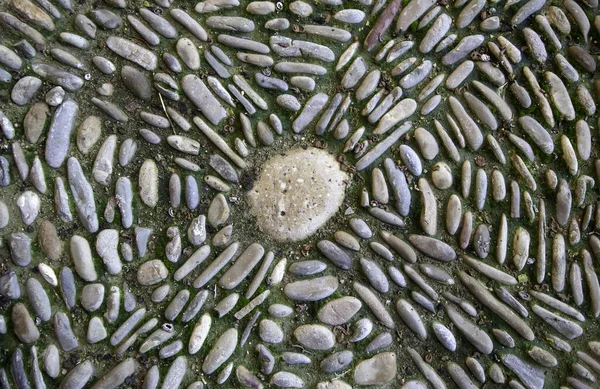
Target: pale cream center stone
(297,193)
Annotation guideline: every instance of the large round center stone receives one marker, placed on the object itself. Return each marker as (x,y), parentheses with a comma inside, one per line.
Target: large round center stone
(297,193)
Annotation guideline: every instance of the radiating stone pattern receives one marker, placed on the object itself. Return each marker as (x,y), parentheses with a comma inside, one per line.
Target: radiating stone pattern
(464,134)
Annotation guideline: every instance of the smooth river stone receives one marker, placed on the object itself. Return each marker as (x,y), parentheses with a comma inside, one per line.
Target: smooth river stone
(59,133)
(312,290)
(242,266)
(315,337)
(377,370)
(83,195)
(132,52)
(195,89)
(148,183)
(339,311)
(152,272)
(92,296)
(221,351)
(81,254)
(23,324)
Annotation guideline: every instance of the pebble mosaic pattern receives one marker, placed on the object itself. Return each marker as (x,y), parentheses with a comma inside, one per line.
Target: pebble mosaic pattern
(299,194)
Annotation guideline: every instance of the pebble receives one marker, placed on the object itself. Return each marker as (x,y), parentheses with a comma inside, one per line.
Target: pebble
(106,247)
(19,245)
(96,331)
(4,215)
(441,175)
(374,304)
(83,195)
(560,96)
(307,268)
(230,23)
(315,337)
(565,327)
(478,338)
(444,335)
(377,370)
(132,52)
(337,361)
(79,376)
(301,8)
(221,351)
(278,24)
(411,318)
(176,373)
(335,254)
(117,375)
(433,248)
(284,379)
(64,333)
(375,275)
(189,23)
(29,204)
(269,331)
(38,298)
(280,310)
(25,89)
(339,311)
(531,376)
(311,290)
(51,361)
(24,326)
(59,133)
(200,95)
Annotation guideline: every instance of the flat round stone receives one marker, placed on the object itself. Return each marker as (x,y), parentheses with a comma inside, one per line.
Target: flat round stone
(378,370)
(297,193)
(315,336)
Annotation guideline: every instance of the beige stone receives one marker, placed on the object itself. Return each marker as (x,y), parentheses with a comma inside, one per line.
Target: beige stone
(377,370)
(297,193)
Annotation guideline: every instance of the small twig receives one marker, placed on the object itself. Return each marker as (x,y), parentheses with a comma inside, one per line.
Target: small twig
(166,113)
(341,375)
(304,351)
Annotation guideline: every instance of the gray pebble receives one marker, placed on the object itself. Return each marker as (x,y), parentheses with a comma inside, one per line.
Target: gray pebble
(175,374)
(38,298)
(68,286)
(25,89)
(284,379)
(311,290)
(19,245)
(339,311)
(269,331)
(337,362)
(221,351)
(531,376)
(380,342)
(361,329)
(29,204)
(307,268)
(96,331)
(79,376)
(335,254)
(280,310)
(64,334)
(295,358)
(92,296)
(278,24)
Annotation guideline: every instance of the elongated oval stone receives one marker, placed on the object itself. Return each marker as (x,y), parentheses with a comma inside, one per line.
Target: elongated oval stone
(311,290)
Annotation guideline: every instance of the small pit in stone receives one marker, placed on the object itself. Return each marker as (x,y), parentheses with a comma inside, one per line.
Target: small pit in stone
(297,193)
